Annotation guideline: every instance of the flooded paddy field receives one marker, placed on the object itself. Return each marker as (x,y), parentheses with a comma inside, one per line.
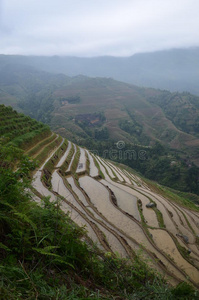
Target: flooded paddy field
(61,161)
(125,201)
(115,213)
(93,169)
(82,161)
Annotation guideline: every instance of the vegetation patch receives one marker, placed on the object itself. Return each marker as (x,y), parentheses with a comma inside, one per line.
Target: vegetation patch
(41,157)
(38,147)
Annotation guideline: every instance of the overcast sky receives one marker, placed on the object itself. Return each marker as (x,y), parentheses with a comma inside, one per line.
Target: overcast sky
(97,27)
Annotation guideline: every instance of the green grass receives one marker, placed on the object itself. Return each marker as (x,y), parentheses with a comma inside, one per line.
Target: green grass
(20,130)
(75,161)
(38,147)
(159,217)
(41,157)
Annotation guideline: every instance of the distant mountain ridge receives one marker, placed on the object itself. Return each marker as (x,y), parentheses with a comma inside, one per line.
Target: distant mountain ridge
(174,70)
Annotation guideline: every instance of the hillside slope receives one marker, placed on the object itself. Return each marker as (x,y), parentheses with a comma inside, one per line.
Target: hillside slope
(121,212)
(98,113)
(84,104)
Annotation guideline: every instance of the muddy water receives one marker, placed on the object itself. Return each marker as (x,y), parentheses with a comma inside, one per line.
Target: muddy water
(93,169)
(112,240)
(132,178)
(100,198)
(165,242)
(137,181)
(77,190)
(185,231)
(115,171)
(181,215)
(189,219)
(37,184)
(167,219)
(189,247)
(97,216)
(103,169)
(127,175)
(149,214)
(194,220)
(125,201)
(59,187)
(63,158)
(195,249)
(79,220)
(75,150)
(126,178)
(82,161)
(105,165)
(66,208)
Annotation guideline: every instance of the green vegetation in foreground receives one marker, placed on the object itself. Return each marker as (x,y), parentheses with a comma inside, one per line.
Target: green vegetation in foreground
(20,130)
(42,255)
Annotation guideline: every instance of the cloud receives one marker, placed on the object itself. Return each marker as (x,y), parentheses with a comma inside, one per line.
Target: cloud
(99,27)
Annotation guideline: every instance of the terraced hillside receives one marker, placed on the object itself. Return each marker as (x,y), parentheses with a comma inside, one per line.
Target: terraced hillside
(96,113)
(122,213)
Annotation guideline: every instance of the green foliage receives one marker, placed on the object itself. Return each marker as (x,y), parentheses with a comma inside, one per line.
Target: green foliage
(182,109)
(75,160)
(41,157)
(131,127)
(101,134)
(184,291)
(72,99)
(20,130)
(159,217)
(38,146)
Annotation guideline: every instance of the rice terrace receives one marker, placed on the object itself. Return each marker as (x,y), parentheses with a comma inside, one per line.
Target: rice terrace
(123,214)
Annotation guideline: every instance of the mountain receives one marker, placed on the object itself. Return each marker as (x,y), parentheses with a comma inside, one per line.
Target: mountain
(138,227)
(174,70)
(102,113)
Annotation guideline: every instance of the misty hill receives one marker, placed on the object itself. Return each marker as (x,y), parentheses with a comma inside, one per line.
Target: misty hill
(174,70)
(99,112)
